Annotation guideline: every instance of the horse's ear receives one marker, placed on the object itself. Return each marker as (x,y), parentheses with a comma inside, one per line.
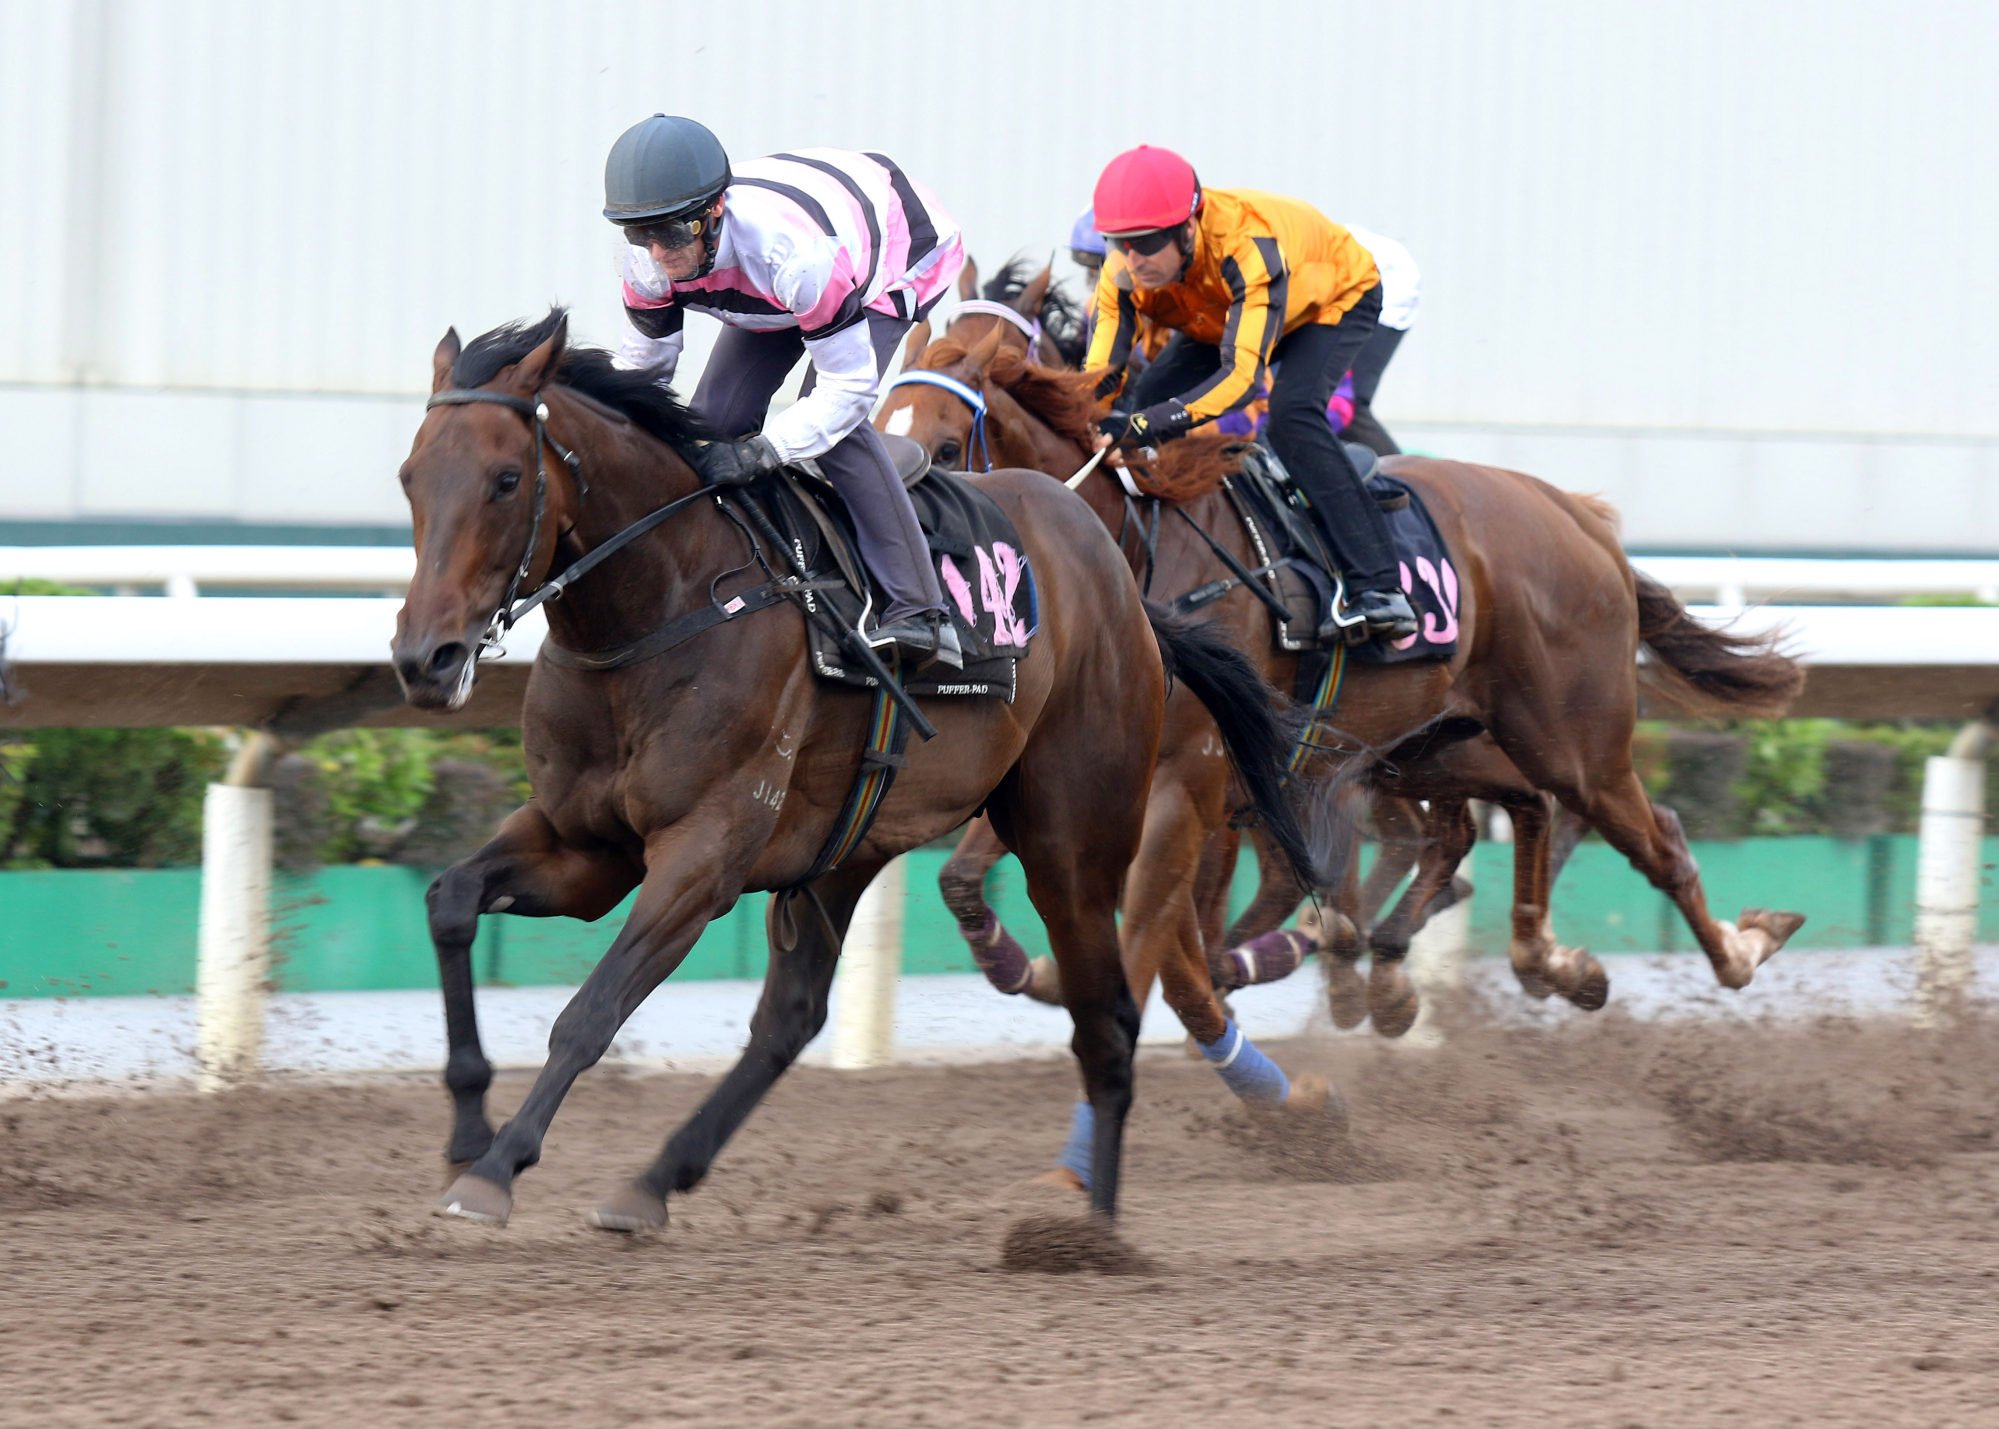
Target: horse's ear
(1036,292)
(912,350)
(968,279)
(448,348)
(981,355)
(534,370)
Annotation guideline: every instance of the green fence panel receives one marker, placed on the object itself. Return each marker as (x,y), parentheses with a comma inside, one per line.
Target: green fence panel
(69,933)
(98,933)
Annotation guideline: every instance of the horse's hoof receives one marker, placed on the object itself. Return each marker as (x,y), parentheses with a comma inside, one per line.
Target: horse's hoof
(631,1209)
(1529,961)
(1749,946)
(1391,1000)
(474,1198)
(1577,976)
(1313,1096)
(1044,981)
(1779,926)
(1591,988)
(1346,993)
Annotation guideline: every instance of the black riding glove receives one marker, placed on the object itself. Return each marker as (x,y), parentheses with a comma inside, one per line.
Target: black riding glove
(735,463)
(1154,426)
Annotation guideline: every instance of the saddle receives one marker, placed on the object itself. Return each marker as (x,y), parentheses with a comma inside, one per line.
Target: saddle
(980,559)
(1298,561)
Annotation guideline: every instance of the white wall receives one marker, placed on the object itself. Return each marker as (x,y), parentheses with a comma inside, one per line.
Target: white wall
(1727,262)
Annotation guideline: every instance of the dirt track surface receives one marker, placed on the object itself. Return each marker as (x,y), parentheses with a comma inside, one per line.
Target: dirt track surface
(1616,1224)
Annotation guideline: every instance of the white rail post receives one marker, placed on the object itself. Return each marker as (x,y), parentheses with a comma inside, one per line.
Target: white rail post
(235,933)
(864,984)
(1947,869)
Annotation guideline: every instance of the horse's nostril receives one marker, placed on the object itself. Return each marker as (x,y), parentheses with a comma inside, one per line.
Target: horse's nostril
(445,659)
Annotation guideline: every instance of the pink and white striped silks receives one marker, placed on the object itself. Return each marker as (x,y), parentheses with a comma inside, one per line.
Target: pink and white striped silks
(813,239)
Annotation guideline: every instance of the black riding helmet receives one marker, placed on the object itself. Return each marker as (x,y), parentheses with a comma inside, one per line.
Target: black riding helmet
(662,170)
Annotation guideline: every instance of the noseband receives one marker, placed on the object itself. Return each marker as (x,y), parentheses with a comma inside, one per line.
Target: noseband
(966,394)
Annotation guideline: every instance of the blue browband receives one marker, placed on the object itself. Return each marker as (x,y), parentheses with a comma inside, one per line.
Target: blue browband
(968,395)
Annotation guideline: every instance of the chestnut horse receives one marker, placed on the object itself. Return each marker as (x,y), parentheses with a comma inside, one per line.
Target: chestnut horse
(696,769)
(1551,619)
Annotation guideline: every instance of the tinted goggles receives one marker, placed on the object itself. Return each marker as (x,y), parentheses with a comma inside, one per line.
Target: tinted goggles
(667,232)
(1145,244)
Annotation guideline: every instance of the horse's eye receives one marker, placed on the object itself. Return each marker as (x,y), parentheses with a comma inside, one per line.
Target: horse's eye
(949,452)
(505,484)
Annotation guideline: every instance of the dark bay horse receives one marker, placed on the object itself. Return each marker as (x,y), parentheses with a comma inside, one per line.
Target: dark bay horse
(697,766)
(1552,617)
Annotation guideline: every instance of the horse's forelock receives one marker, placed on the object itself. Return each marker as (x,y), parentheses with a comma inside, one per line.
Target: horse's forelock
(490,353)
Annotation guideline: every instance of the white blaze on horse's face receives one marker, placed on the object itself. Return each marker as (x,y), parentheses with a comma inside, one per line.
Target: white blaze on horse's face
(899,422)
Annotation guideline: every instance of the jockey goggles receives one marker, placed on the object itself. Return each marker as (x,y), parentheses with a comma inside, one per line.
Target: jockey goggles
(669,233)
(1144,244)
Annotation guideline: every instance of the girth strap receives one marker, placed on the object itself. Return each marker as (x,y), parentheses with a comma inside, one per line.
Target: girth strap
(881,761)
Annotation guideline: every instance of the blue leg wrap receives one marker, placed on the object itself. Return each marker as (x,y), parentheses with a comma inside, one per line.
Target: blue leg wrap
(1079,1151)
(1248,1073)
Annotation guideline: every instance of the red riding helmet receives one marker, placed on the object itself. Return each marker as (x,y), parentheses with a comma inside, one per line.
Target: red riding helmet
(1145,189)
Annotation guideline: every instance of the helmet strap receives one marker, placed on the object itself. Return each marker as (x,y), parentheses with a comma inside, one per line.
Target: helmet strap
(711,239)
(1184,243)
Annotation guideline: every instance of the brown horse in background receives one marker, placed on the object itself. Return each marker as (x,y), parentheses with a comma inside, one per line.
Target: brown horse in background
(1041,321)
(1032,418)
(697,769)
(1551,620)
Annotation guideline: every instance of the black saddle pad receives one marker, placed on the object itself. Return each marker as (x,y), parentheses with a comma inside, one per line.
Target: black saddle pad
(980,562)
(1305,569)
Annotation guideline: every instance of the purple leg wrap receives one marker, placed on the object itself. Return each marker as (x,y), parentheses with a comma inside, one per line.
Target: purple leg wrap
(1079,1151)
(1264,959)
(1000,958)
(1248,1073)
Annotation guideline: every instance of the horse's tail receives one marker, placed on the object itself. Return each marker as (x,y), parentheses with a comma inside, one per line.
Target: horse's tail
(1258,729)
(1710,671)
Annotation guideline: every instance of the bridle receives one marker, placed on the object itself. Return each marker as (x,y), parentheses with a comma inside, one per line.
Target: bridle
(976,400)
(510,611)
(977,307)
(965,393)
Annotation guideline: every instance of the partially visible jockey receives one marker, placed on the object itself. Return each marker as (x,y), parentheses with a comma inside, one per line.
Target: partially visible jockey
(1401,294)
(1244,280)
(819,252)
(1086,250)
(1086,245)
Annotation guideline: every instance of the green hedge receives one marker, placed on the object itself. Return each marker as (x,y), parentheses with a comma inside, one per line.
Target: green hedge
(113,798)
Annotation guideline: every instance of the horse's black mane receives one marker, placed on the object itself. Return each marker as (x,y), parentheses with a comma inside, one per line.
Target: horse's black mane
(1061,315)
(636,392)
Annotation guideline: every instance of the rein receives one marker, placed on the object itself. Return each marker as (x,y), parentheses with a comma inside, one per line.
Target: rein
(536,411)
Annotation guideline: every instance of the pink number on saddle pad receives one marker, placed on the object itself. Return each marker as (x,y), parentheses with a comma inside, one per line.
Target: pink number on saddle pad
(1005,619)
(1006,630)
(1408,589)
(1445,588)
(960,589)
